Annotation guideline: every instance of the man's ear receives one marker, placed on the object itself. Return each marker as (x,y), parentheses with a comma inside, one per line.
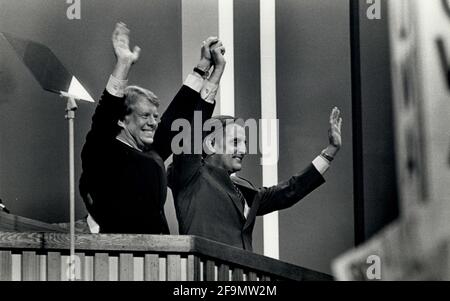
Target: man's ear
(121,123)
(209,145)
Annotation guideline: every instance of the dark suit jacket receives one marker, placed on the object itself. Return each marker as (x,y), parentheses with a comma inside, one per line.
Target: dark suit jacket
(207,204)
(129,187)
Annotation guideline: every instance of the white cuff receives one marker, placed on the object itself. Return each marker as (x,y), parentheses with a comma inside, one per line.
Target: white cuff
(93,226)
(209,92)
(116,87)
(206,89)
(194,81)
(246,210)
(321,164)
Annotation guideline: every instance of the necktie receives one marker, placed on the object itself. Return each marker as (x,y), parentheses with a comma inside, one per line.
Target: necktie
(241,197)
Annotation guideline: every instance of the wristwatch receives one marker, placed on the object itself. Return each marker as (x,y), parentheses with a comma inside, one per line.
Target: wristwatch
(202,73)
(326,156)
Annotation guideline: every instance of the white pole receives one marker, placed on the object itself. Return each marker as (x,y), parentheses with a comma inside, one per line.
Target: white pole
(269,112)
(70,116)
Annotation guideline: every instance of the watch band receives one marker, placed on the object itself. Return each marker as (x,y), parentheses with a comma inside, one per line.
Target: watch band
(201,72)
(326,156)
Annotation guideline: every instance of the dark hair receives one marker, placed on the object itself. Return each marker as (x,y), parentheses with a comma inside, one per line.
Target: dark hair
(217,123)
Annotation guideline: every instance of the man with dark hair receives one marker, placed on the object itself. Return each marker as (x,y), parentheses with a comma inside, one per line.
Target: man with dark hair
(212,202)
(124,181)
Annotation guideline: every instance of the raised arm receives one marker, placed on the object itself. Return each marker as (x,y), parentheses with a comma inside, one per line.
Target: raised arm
(195,92)
(187,164)
(288,193)
(104,121)
(334,135)
(125,57)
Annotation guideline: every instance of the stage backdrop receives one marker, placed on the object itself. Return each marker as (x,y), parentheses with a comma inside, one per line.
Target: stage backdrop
(313,75)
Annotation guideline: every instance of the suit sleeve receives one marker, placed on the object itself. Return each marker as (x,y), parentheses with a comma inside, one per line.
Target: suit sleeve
(104,128)
(182,107)
(104,122)
(288,193)
(186,165)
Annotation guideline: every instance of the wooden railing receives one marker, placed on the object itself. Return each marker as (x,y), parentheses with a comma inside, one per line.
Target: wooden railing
(100,257)
(15,223)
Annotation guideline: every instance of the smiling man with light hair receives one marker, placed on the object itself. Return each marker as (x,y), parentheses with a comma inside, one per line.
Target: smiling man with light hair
(124,183)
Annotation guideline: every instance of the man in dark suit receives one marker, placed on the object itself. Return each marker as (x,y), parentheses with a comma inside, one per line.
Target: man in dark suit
(124,181)
(211,202)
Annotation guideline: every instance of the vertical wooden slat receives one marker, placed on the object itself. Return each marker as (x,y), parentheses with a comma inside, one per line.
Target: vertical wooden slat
(54,266)
(238,274)
(88,268)
(138,269)
(224,272)
(183,268)
(209,272)
(5,266)
(162,268)
(43,267)
(64,268)
(173,267)
(82,266)
(151,267)
(265,278)
(101,267)
(16,273)
(252,276)
(30,271)
(193,268)
(126,267)
(114,268)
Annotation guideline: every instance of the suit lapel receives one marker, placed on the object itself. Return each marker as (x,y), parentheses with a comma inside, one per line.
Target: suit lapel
(251,216)
(250,193)
(226,187)
(237,203)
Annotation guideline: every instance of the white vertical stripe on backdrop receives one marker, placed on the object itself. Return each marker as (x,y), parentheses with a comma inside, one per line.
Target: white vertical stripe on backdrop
(226,34)
(269,112)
